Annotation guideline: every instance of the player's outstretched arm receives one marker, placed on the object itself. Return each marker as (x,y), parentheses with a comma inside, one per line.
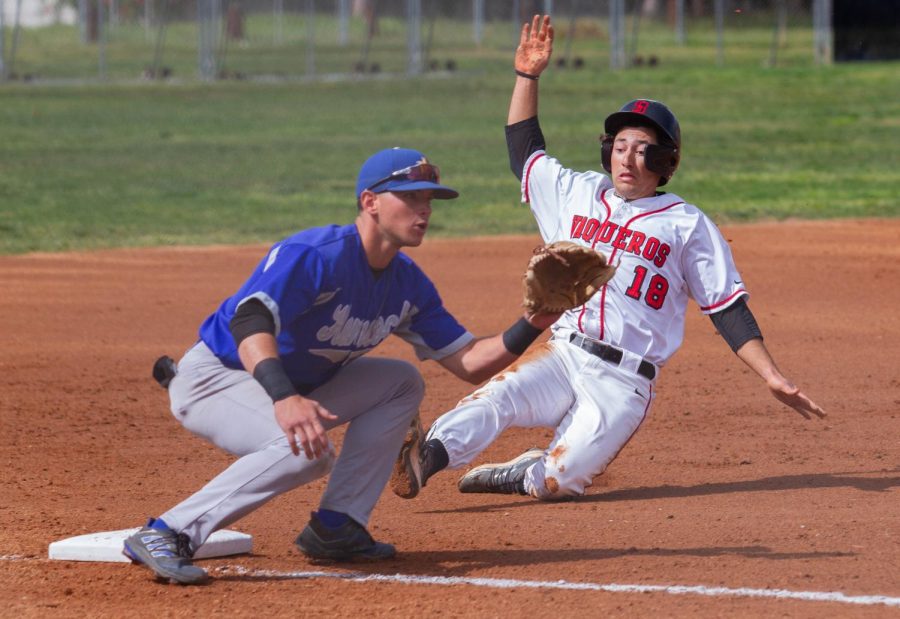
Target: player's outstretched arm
(755,354)
(532,57)
(484,357)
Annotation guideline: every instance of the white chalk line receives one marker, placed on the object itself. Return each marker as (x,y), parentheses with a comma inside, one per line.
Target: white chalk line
(504,583)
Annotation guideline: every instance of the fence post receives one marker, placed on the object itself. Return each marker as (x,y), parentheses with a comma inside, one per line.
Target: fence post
(679,22)
(277,21)
(101,41)
(206,62)
(310,37)
(478,21)
(83,20)
(720,34)
(516,22)
(148,19)
(414,36)
(343,8)
(616,34)
(17,26)
(2,41)
(822,32)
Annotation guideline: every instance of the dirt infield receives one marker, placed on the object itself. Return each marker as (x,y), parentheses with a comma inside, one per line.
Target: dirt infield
(722,487)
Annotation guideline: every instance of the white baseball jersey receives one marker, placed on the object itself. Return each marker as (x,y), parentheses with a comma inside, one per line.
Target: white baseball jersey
(665,249)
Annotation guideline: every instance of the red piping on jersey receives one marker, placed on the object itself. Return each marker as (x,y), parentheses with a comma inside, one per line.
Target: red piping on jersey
(593,245)
(721,303)
(528,173)
(613,255)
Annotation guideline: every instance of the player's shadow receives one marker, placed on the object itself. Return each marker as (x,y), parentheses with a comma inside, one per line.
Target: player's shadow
(461,562)
(855,480)
(464,562)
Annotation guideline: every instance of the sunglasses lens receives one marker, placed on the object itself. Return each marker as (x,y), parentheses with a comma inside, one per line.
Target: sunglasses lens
(421,172)
(424,172)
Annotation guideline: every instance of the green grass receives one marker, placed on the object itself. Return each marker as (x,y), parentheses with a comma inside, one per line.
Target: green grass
(192,163)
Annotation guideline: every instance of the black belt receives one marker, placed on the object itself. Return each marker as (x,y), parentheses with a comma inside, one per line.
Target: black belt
(611,354)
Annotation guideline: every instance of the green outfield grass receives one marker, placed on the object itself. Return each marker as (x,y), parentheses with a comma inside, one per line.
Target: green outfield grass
(150,164)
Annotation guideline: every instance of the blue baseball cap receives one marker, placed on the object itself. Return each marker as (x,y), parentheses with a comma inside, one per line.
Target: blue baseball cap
(401,169)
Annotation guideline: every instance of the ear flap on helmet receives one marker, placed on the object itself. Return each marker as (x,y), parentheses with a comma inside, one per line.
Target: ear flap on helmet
(661,159)
(606,144)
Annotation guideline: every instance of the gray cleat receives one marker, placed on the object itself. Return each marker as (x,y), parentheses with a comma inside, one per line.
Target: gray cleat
(349,542)
(166,553)
(504,478)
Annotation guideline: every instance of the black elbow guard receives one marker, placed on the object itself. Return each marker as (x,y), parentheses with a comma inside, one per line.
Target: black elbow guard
(251,317)
(736,324)
(523,139)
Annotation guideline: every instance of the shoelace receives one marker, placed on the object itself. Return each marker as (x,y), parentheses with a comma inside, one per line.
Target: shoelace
(501,479)
(161,544)
(164,544)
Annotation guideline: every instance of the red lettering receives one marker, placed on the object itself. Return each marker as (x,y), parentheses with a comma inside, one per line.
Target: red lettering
(577,225)
(606,232)
(662,254)
(634,245)
(650,248)
(590,229)
(623,234)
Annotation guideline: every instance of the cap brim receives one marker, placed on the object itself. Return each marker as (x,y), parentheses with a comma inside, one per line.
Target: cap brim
(440,191)
(617,120)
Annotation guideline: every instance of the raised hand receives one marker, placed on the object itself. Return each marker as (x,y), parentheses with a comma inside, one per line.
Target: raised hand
(535,46)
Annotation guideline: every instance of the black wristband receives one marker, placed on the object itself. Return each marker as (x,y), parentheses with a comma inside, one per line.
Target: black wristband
(527,76)
(271,375)
(519,337)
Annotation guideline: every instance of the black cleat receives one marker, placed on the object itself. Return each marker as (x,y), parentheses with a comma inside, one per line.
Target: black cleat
(349,542)
(505,478)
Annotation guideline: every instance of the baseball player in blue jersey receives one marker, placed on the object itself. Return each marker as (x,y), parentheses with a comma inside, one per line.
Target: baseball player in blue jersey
(594,381)
(281,362)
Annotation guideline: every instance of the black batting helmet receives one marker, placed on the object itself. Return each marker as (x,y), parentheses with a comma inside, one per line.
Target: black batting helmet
(660,158)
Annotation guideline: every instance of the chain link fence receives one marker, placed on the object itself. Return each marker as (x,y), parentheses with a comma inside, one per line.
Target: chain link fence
(118,40)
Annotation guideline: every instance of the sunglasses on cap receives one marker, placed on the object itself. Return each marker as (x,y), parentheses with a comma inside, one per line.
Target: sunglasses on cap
(418,172)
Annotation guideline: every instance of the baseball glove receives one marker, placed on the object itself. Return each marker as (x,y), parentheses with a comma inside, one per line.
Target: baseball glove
(563,275)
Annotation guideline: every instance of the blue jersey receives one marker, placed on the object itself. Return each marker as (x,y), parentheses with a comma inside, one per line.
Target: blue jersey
(330,308)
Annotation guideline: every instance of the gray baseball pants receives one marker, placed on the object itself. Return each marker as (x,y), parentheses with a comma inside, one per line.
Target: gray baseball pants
(377,397)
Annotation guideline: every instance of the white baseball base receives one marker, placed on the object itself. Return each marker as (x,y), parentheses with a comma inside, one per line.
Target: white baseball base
(107,546)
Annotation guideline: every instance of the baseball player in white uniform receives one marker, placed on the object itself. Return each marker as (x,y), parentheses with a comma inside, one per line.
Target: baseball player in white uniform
(594,380)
